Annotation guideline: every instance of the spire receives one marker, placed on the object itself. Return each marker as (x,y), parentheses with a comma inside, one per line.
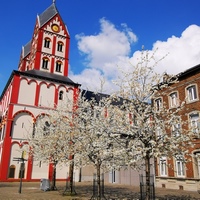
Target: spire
(54,1)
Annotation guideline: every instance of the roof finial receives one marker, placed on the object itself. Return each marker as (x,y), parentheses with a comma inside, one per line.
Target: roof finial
(54,1)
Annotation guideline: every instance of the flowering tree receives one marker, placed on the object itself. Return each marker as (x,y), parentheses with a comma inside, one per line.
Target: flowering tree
(93,133)
(51,141)
(147,131)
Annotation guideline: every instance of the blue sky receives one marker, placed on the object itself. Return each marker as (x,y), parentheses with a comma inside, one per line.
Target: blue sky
(105,33)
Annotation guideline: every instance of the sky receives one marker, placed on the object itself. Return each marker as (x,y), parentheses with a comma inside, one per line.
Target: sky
(105,34)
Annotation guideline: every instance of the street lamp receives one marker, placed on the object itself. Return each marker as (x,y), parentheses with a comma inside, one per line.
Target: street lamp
(21,160)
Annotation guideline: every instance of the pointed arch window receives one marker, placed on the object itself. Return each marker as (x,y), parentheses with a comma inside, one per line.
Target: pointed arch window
(60,46)
(58,66)
(47,42)
(45,62)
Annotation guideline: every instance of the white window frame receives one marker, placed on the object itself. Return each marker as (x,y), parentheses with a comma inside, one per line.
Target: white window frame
(158,104)
(194,123)
(163,166)
(176,129)
(192,93)
(173,99)
(159,133)
(197,155)
(180,166)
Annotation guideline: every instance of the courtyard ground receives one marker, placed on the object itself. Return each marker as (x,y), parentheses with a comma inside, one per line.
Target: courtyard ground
(32,191)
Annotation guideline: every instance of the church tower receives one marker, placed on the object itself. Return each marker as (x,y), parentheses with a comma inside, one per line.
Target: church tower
(40,83)
(48,49)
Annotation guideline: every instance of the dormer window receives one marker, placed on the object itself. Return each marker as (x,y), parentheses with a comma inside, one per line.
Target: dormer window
(60,46)
(47,43)
(45,63)
(58,66)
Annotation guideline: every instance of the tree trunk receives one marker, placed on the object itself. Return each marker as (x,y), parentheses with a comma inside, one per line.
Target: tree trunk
(53,186)
(71,176)
(98,181)
(147,170)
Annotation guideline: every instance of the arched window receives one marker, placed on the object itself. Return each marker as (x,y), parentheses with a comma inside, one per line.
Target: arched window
(11,171)
(58,66)
(61,95)
(59,46)
(45,63)
(47,43)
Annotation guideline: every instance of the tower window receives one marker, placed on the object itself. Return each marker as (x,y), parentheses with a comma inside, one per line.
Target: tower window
(58,66)
(47,42)
(59,46)
(45,63)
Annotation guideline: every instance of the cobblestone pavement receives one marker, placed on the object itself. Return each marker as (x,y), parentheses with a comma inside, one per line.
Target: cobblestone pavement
(32,191)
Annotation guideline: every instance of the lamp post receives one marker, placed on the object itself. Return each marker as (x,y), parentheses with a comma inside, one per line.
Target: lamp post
(21,160)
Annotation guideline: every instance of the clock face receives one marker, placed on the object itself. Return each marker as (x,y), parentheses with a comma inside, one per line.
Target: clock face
(55,28)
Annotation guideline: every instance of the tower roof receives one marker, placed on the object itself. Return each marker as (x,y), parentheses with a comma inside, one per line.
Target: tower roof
(26,49)
(49,13)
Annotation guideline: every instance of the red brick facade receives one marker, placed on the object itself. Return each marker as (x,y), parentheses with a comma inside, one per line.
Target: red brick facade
(184,176)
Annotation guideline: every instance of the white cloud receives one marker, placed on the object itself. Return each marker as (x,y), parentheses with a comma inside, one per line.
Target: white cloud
(109,44)
(112,47)
(183,52)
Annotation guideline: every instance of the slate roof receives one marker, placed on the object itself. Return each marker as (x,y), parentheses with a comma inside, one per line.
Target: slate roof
(89,95)
(191,71)
(41,75)
(26,49)
(49,13)
(47,76)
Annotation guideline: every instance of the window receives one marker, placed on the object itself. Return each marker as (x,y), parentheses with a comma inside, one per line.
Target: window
(59,46)
(191,93)
(180,169)
(46,128)
(173,101)
(45,63)
(47,42)
(197,159)
(11,171)
(163,166)
(61,95)
(158,104)
(176,130)
(194,123)
(159,133)
(58,66)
